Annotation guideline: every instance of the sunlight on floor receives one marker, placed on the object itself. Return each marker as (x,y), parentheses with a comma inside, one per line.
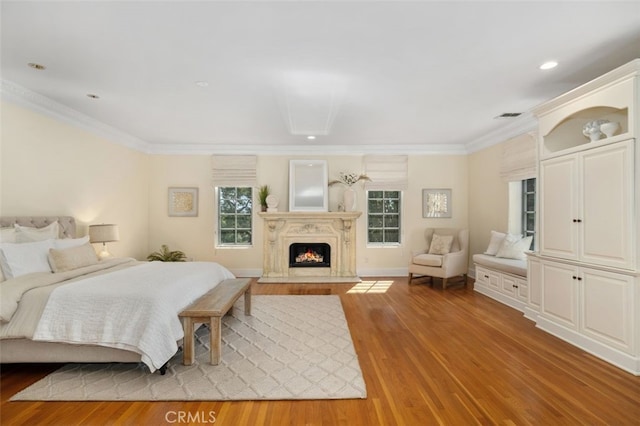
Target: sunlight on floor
(371,287)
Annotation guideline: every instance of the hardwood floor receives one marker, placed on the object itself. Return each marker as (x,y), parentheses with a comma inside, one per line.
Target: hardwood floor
(428,356)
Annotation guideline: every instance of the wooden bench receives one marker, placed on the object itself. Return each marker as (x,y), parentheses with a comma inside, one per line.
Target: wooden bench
(209,309)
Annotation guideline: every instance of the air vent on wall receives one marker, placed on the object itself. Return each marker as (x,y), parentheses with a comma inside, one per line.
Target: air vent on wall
(509,115)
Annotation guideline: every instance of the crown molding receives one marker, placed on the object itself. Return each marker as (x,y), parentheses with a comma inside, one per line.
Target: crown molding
(24,97)
(524,124)
(230,149)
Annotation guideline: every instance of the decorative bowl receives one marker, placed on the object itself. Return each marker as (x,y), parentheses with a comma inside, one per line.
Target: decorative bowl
(592,129)
(609,129)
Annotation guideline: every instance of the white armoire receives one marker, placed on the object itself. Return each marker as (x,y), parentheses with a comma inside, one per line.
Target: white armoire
(584,282)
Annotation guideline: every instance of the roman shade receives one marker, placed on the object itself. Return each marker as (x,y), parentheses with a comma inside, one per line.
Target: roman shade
(519,158)
(387,172)
(234,170)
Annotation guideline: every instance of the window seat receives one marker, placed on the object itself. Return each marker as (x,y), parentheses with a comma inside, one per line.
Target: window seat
(504,280)
(510,266)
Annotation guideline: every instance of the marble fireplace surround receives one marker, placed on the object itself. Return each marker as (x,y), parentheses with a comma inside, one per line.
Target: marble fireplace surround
(338,229)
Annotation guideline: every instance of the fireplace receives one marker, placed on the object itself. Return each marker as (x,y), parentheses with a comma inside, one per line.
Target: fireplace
(331,235)
(309,255)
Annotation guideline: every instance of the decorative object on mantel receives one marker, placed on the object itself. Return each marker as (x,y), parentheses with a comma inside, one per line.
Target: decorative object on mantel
(263,193)
(592,129)
(272,203)
(436,203)
(183,202)
(349,196)
(609,129)
(166,255)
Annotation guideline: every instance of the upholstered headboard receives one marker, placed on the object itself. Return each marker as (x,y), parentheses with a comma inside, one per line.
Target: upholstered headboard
(67,223)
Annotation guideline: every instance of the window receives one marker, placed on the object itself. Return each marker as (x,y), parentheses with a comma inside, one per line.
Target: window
(529,207)
(383,218)
(235,208)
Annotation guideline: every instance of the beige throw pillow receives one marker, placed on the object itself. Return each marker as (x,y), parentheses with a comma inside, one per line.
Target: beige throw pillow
(441,244)
(62,260)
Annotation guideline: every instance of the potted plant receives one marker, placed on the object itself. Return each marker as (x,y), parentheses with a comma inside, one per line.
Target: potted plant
(165,255)
(263,193)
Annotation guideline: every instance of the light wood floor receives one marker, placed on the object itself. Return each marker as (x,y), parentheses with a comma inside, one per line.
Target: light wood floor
(428,357)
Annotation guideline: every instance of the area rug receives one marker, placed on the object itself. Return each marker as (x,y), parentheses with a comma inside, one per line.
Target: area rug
(291,347)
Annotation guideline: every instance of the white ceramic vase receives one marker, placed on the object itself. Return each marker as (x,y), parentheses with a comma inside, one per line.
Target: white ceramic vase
(349,200)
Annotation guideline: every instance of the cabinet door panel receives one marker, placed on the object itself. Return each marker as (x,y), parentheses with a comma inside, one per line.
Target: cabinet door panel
(607,176)
(560,293)
(559,203)
(534,282)
(607,308)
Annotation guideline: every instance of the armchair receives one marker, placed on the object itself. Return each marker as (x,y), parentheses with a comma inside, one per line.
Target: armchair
(444,266)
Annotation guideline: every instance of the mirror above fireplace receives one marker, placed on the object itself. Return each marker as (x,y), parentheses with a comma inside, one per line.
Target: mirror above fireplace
(308,186)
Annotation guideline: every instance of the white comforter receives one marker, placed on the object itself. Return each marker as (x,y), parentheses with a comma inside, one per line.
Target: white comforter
(134,309)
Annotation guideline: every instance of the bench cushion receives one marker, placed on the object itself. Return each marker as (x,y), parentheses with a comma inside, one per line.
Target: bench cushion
(510,266)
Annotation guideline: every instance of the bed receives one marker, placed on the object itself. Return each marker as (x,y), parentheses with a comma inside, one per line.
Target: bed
(114,310)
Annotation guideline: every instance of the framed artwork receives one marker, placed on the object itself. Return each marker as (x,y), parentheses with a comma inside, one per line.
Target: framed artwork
(436,203)
(183,202)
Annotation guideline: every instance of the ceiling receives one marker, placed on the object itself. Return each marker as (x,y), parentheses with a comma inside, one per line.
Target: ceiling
(361,76)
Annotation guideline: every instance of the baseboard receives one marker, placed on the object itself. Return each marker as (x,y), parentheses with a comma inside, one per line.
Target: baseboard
(622,360)
(383,272)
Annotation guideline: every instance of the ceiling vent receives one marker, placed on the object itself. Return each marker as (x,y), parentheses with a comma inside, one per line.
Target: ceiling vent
(509,115)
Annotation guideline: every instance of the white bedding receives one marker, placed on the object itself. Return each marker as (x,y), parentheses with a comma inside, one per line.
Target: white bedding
(134,308)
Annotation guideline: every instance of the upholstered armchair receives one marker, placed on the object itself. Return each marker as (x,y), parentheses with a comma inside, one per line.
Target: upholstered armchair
(448,257)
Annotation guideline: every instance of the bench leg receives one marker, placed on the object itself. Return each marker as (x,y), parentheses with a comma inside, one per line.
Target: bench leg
(188,355)
(216,337)
(247,302)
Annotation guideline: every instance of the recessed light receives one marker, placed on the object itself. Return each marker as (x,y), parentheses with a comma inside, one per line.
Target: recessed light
(548,65)
(35,66)
(202,83)
(311,137)
(93,96)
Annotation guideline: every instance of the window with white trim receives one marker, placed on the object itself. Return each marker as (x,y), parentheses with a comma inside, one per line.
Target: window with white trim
(383,217)
(235,213)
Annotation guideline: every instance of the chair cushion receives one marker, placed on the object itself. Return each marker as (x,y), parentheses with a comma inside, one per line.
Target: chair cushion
(428,260)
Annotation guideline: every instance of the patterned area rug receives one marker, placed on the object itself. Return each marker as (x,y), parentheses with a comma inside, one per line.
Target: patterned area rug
(292,347)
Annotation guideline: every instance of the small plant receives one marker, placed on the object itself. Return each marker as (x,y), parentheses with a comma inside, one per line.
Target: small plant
(165,255)
(263,193)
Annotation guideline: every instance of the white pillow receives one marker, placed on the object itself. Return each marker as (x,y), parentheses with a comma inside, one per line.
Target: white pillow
(496,241)
(440,244)
(513,247)
(25,258)
(62,260)
(8,235)
(25,234)
(65,243)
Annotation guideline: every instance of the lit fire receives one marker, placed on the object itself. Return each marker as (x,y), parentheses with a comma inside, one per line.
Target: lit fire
(309,256)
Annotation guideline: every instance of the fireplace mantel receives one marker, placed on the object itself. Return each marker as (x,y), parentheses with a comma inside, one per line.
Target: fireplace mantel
(285,228)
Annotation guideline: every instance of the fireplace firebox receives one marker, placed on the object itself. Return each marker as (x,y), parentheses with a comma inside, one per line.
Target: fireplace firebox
(309,255)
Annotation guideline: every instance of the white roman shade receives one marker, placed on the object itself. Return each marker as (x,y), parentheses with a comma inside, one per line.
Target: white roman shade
(519,158)
(387,172)
(234,170)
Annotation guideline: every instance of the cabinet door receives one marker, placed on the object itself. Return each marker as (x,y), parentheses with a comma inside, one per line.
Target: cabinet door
(607,312)
(559,207)
(487,278)
(560,293)
(607,206)
(522,290)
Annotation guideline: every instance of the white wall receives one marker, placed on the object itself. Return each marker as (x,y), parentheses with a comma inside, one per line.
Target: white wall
(51,168)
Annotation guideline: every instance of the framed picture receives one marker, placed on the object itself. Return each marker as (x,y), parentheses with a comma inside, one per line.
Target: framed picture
(183,202)
(436,203)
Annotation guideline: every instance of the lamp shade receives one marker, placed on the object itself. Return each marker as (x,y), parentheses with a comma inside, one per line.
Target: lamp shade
(103,233)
